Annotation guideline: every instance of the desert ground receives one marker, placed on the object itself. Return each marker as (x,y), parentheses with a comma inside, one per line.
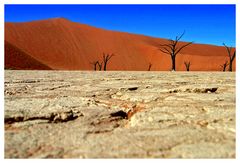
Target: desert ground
(86,114)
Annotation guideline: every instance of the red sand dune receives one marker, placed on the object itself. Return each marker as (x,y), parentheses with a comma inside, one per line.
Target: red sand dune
(17,59)
(64,45)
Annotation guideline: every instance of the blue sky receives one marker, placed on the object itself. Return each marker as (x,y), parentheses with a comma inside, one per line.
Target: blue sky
(208,24)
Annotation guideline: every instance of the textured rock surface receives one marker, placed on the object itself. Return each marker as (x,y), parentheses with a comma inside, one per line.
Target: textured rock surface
(61,114)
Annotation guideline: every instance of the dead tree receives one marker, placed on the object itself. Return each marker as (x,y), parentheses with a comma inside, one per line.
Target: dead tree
(106,58)
(95,63)
(224,66)
(187,65)
(99,66)
(172,49)
(149,66)
(231,56)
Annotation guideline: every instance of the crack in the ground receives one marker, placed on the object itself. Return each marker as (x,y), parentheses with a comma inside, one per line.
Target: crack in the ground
(22,81)
(52,118)
(114,120)
(128,108)
(57,87)
(105,124)
(195,90)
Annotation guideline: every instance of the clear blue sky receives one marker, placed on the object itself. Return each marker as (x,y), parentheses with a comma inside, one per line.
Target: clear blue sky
(208,24)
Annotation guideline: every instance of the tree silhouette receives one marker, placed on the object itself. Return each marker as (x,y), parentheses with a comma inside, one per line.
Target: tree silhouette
(231,56)
(224,65)
(100,66)
(172,49)
(106,58)
(187,65)
(95,64)
(149,66)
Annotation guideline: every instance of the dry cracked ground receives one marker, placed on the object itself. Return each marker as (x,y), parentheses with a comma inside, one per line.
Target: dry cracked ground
(81,114)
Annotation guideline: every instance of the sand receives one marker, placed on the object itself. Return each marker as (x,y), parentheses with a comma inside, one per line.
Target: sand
(61,44)
(82,114)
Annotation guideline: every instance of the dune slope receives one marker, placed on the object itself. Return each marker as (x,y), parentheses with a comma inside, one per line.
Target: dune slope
(65,45)
(17,59)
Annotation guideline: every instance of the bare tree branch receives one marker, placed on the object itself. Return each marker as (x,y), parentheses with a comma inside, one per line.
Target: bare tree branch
(100,66)
(165,45)
(177,39)
(187,65)
(224,65)
(149,66)
(231,57)
(172,49)
(165,51)
(229,49)
(183,47)
(106,58)
(94,65)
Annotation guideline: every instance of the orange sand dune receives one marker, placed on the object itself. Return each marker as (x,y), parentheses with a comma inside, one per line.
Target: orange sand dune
(17,59)
(65,45)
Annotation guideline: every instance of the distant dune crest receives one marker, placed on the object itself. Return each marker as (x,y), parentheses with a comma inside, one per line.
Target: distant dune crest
(60,44)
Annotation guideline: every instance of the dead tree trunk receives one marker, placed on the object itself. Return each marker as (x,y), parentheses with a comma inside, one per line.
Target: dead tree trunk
(187,65)
(173,62)
(231,56)
(172,49)
(149,67)
(106,58)
(99,66)
(95,63)
(224,66)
